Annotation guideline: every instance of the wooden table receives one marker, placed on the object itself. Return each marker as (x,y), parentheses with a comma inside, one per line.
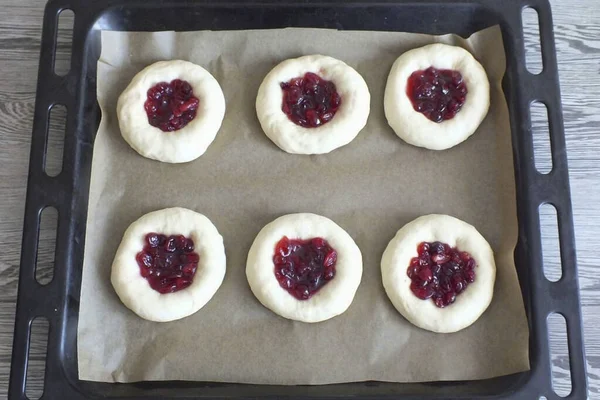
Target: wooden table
(577,31)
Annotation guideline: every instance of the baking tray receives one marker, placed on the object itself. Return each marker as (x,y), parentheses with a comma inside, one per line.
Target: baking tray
(58,301)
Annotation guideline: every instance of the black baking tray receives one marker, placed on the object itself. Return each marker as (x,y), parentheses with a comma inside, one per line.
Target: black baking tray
(58,301)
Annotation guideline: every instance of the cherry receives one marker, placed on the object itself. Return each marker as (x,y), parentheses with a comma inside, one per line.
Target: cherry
(310,101)
(439,94)
(171,106)
(168,263)
(440,272)
(302,267)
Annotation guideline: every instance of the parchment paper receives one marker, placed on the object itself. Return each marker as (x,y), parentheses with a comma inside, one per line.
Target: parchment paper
(371,187)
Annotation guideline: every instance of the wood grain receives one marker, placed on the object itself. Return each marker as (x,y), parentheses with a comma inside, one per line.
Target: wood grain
(577,32)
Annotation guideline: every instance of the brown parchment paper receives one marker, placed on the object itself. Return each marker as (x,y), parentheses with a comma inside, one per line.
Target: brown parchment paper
(371,187)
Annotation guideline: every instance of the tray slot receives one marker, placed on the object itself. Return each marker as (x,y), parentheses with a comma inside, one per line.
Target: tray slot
(36,364)
(64,39)
(548,44)
(56,140)
(44,269)
(557,333)
(20,357)
(541,137)
(550,243)
(557,142)
(531,28)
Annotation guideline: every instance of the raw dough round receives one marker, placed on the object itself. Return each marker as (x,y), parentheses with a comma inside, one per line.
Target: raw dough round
(187,143)
(414,127)
(333,298)
(349,119)
(470,304)
(135,291)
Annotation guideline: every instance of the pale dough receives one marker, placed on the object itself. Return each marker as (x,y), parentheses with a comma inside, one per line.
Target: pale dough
(470,304)
(414,127)
(135,291)
(187,143)
(350,118)
(333,298)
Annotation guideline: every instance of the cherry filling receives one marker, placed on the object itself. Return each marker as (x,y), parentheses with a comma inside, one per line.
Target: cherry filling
(310,101)
(440,272)
(171,106)
(168,263)
(302,267)
(439,94)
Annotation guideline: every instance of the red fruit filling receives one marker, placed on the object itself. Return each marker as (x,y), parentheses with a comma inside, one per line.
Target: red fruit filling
(440,272)
(171,106)
(168,263)
(310,101)
(302,267)
(439,94)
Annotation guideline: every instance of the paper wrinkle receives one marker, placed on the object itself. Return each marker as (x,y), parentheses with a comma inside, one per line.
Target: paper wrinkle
(370,187)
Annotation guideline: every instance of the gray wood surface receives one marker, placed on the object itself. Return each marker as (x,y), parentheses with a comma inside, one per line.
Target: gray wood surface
(577,31)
